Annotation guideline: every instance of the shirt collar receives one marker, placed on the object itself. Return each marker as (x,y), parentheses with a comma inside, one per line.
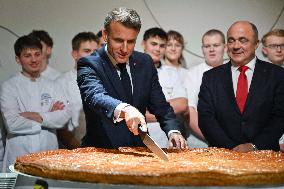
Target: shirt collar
(111,58)
(250,65)
(28,78)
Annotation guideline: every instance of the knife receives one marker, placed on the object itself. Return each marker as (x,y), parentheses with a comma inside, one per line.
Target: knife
(152,145)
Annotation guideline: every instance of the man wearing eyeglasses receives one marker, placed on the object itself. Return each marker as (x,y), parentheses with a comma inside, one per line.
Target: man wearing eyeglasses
(273,49)
(273,46)
(241,103)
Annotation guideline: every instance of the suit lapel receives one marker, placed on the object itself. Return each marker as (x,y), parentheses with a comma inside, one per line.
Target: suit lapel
(258,79)
(134,75)
(112,74)
(228,86)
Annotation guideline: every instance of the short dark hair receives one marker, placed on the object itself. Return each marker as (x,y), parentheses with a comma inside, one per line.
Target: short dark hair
(214,32)
(100,33)
(126,16)
(26,42)
(153,32)
(82,37)
(43,36)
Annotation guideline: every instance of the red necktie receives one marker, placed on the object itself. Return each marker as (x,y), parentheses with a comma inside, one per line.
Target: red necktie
(242,88)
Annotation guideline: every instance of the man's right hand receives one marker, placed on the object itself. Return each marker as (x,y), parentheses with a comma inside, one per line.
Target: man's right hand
(133,119)
(32,116)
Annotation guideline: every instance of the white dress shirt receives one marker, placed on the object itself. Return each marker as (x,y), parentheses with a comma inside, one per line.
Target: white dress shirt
(281,140)
(236,73)
(118,109)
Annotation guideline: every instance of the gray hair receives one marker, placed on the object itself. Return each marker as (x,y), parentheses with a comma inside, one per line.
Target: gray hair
(127,17)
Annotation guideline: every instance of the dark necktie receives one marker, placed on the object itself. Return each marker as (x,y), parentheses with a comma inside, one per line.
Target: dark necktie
(242,88)
(125,81)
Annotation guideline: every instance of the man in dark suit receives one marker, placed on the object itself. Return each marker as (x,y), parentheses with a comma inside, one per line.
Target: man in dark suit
(241,103)
(118,84)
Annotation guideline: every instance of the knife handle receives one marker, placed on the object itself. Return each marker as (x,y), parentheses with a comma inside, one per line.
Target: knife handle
(143,128)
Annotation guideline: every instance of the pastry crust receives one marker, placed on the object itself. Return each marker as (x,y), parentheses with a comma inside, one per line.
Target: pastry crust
(138,166)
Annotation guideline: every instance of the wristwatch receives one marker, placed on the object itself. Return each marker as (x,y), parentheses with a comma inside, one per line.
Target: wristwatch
(254,147)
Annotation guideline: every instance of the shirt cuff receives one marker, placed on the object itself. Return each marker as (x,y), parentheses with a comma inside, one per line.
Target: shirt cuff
(173,131)
(44,119)
(281,140)
(117,112)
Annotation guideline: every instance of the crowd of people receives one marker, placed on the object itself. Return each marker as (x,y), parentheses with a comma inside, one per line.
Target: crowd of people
(114,92)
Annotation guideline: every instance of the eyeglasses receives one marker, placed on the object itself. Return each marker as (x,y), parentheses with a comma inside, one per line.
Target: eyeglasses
(275,46)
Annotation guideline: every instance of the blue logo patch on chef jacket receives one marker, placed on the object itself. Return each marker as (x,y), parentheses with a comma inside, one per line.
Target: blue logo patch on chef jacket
(45,99)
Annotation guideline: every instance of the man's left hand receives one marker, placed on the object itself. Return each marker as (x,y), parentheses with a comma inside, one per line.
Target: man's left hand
(281,147)
(247,147)
(133,119)
(177,141)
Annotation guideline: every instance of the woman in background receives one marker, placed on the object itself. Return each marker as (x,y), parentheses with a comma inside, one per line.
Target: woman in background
(172,76)
(173,55)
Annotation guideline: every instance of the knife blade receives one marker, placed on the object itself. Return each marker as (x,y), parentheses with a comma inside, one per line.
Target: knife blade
(152,145)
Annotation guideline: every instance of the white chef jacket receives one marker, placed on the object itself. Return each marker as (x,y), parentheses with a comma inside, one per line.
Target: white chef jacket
(180,71)
(193,82)
(68,82)
(171,82)
(20,94)
(172,87)
(50,73)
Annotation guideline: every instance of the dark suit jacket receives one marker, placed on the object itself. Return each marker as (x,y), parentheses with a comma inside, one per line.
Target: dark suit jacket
(102,91)
(262,122)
